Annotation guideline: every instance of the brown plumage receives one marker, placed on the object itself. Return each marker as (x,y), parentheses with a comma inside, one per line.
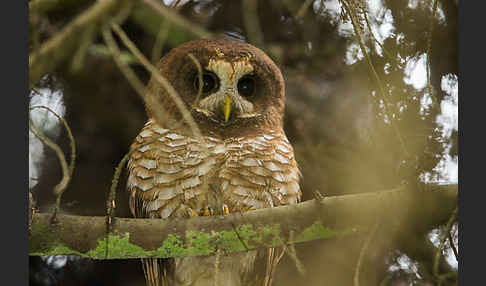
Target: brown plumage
(243,161)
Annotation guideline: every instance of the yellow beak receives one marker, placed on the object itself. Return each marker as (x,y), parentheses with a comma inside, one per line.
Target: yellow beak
(227,107)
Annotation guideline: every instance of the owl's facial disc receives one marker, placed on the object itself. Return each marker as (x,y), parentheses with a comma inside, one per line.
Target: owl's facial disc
(234,87)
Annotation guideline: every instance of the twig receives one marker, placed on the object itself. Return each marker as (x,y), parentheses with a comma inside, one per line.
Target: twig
(161,80)
(293,254)
(70,135)
(32,210)
(64,43)
(102,50)
(357,30)
(429,45)
(116,176)
(363,251)
(216,266)
(443,238)
(199,77)
(59,189)
(453,246)
(175,4)
(61,186)
(172,17)
(303,9)
(385,51)
(129,74)
(268,268)
(110,202)
(275,262)
(160,41)
(239,236)
(85,41)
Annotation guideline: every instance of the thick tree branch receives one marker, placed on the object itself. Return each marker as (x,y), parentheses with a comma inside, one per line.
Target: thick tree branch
(400,209)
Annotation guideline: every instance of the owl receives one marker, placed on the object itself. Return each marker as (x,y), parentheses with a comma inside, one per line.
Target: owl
(242,161)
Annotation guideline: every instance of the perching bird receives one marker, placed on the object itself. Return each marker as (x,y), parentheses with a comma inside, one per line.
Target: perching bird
(243,160)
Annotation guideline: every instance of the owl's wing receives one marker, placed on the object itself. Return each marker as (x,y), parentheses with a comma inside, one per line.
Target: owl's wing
(165,171)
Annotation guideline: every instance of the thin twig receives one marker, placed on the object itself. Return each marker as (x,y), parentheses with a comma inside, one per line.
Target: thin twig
(32,210)
(160,41)
(72,142)
(429,45)
(59,189)
(161,80)
(84,42)
(268,268)
(453,246)
(129,74)
(303,9)
(110,202)
(239,237)
(293,254)
(443,238)
(116,176)
(363,251)
(199,77)
(357,31)
(62,185)
(216,266)
(385,51)
(275,262)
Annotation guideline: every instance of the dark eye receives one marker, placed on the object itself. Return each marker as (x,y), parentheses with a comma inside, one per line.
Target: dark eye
(246,86)
(209,80)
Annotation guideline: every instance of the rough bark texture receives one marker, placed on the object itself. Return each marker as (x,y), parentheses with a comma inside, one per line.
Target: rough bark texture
(402,209)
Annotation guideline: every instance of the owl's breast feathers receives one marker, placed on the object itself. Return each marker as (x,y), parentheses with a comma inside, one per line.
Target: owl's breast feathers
(176,172)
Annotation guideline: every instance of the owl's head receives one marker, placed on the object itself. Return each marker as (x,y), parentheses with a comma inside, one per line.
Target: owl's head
(242,88)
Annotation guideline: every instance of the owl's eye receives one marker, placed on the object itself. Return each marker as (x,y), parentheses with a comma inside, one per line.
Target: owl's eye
(209,81)
(246,86)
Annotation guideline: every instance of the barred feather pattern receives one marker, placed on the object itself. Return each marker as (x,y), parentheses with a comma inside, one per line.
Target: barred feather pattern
(177,172)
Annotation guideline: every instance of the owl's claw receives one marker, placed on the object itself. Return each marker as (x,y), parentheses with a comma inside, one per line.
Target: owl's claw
(191,213)
(225,209)
(249,208)
(207,211)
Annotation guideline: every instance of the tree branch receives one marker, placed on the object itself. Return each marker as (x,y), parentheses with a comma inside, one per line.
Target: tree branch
(401,208)
(63,44)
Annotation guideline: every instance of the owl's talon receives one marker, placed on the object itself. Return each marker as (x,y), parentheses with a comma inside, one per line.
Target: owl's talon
(249,208)
(191,213)
(225,209)
(208,211)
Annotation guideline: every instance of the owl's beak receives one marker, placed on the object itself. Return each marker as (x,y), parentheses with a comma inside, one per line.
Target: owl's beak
(227,107)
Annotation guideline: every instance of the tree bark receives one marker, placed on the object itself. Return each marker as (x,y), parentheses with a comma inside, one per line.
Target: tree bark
(402,209)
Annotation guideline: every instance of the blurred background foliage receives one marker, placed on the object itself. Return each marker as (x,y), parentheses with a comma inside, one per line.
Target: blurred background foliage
(344,128)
